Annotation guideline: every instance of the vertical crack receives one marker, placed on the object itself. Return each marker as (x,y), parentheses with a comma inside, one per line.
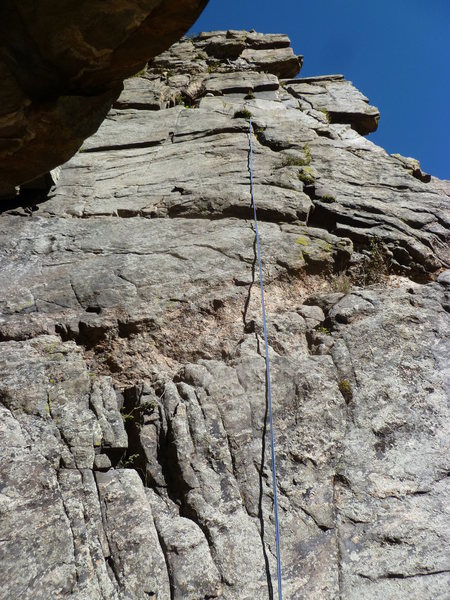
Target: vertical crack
(261,493)
(338,477)
(249,329)
(111,567)
(166,560)
(75,293)
(338,543)
(247,326)
(72,534)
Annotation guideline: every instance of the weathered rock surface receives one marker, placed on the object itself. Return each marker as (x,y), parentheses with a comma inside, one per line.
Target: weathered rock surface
(62,65)
(135,460)
(337,99)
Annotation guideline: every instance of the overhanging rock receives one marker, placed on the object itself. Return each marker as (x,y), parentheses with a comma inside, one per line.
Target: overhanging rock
(61,66)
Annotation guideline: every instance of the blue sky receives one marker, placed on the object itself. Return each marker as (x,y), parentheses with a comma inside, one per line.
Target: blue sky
(397,52)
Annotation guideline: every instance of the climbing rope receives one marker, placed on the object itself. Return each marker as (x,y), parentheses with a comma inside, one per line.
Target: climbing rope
(269,392)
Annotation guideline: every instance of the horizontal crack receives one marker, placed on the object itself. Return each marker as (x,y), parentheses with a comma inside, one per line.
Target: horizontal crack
(130,146)
(402,575)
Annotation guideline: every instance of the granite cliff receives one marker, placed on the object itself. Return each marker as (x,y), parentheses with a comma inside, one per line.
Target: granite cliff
(134,459)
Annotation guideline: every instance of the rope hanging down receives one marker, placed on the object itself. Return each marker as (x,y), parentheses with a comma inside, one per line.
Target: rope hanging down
(269,393)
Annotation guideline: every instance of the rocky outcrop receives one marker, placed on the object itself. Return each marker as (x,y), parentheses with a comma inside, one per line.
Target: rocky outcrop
(61,66)
(339,101)
(135,457)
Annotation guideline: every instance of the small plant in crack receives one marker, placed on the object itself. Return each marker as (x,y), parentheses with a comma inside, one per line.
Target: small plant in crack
(307,153)
(178,100)
(127,416)
(298,161)
(243,113)
(326,114)
(323,329)
(345,389)
(130,415)
(188,101)
(136,461)
(258,131)
(213,67)
(148,406)
(145,407)
(376,266)
(341,283)
(183,100)
(306,175)
(250,95)
(292,161)
(130,461)
(328,198)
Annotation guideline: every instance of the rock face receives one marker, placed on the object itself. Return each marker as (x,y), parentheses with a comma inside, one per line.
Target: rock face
(61,66)
(135,460)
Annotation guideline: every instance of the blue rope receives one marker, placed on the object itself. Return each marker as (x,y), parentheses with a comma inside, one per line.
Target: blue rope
(269,392)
